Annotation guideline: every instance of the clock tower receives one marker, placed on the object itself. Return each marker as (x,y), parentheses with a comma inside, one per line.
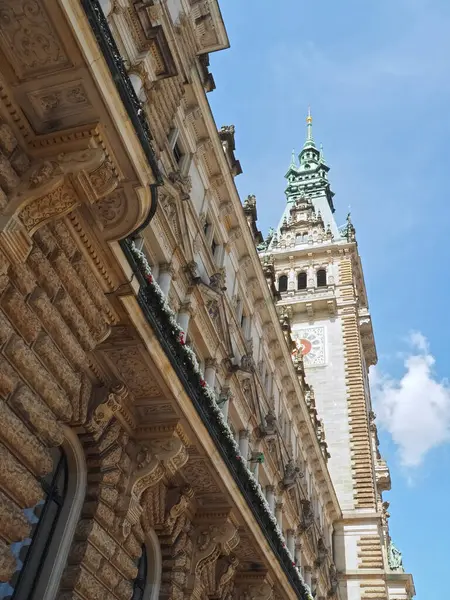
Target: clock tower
(321,290)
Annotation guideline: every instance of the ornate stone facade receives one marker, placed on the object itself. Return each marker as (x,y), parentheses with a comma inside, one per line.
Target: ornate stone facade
(149,404)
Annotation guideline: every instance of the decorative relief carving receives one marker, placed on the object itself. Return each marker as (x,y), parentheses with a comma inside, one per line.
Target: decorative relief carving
(199,476)
(29,39)
(56,203)
(66,102)
(134,372)
(111,209)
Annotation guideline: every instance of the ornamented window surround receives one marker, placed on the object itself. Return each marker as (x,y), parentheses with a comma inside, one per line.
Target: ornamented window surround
(68,519)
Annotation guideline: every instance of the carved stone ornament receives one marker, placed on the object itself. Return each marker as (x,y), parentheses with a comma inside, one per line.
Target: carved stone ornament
(105,411)
(51,189)
(155,459)
(214,536)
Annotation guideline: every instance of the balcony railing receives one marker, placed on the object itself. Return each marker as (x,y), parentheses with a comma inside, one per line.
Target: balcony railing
(152,306)
(114,60)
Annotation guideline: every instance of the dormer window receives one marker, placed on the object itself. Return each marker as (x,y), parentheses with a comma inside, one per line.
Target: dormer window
(302,281)
(283,283)
(321,278)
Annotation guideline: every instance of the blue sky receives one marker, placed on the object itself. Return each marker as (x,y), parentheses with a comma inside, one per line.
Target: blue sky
(377,77)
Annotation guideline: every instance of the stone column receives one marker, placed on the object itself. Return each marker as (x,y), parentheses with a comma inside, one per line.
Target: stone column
(270,497)
(244,435)
(279,514)
(210,372)
(184,316)
(298,554)
(165,278)
(226,398)
(290,542)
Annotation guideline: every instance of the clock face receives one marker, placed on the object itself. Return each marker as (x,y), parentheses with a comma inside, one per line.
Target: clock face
(304,346)
(311,343)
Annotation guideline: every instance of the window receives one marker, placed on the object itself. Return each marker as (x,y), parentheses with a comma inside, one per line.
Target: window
(141,578)
(302,281)
(283,283)
(213,247)
(321,278)
(32,552)
(177,153)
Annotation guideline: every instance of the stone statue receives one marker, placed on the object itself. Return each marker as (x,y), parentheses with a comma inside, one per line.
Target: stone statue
(395,558)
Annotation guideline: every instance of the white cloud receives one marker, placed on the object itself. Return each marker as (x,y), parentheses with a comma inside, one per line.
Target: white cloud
(414,409)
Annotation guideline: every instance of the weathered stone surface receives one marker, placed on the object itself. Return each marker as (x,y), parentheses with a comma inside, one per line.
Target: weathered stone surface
(13,524)
(23,278)
(25,320)
(23,443)
(85,584)
(8,141)
(74,319)
(7,562)
(85,552)
(8,378)
(88,528)
(5,329)
(124,590)
(80,297)
(60,332)
(109,575)
(124,564)
(58,366)
(8,177)
(64,239)
(32,370)
(37,416)
(44,272)
(17,481)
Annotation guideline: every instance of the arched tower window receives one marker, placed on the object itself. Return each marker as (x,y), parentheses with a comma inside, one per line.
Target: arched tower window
(321,278)
(301,281)
(141,578)
(283,283)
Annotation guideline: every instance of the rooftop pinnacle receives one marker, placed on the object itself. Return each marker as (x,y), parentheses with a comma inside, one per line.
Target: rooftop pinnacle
(309,137)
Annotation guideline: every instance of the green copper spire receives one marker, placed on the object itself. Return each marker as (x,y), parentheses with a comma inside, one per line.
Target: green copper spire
(309,137)
(322,157)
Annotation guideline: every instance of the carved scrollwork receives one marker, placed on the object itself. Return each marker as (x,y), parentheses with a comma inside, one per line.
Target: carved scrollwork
(155,460)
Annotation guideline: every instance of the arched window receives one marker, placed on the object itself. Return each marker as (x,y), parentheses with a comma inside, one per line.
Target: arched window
(41,558)
(32,552)
(321,278)
(141,578)
(283,283)
(302,281)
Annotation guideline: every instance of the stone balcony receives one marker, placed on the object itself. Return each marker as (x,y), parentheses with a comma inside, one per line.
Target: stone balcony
(312,301)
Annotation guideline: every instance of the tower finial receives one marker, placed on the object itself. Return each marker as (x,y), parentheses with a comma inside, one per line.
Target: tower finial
(309,125)
(293,163)
(309,137)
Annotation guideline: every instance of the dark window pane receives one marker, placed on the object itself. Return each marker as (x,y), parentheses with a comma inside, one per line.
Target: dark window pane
(177,153)
(301,281)
(321,277)
(283,283)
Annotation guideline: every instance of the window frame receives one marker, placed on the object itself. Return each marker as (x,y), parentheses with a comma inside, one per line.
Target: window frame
(283,277)
(319,281)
